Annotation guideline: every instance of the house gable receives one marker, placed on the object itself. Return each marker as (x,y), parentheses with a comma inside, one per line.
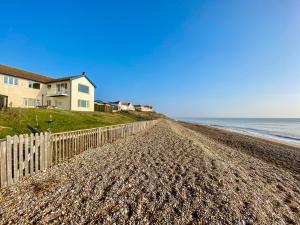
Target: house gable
(80,100)
(80,76)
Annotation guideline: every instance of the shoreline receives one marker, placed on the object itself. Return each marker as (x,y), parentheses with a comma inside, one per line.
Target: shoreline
(284,155)
(245,133)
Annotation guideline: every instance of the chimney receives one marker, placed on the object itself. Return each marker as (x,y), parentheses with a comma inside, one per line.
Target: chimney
(83,73)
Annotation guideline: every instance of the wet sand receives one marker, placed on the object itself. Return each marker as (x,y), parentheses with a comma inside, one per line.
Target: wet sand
(176,173)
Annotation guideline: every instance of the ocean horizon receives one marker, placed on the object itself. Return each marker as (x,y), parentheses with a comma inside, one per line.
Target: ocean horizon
(282,129)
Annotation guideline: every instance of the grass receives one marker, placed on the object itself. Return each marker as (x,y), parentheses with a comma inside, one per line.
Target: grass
(14,121)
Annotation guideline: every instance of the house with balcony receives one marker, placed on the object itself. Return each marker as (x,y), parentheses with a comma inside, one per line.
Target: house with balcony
(20,88)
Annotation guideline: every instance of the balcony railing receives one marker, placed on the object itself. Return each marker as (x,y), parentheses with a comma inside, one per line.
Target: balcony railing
(61,92)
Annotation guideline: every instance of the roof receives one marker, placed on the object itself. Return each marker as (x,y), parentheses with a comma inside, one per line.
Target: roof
(62,79)
(119,102)
(7,70)
(11,71)
(100,102)
(146,106)
(116,103)
(71,78)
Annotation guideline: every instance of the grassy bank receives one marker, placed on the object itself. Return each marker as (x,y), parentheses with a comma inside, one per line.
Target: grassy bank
(15,121)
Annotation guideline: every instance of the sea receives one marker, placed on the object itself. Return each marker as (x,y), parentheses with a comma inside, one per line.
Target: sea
(282,129)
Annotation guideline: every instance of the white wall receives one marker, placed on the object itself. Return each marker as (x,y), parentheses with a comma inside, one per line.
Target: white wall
(16,93)
(75,94)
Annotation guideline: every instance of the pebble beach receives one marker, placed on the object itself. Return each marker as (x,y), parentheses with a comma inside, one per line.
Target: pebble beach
(173,173)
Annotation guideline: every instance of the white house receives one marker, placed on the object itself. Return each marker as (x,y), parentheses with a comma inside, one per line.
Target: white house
(144,108)
(122,106)
(19,88)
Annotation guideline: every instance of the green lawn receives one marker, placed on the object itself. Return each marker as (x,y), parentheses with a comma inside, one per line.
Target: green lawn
(15,121)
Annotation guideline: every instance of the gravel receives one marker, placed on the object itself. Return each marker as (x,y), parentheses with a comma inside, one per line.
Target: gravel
(169,174)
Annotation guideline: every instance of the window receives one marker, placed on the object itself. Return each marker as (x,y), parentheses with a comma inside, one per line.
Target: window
(11,80)
(49,86)
(34,85)
(31,102)
(83,103)
(59,103)
(62,88)
(25,101)
(83,88)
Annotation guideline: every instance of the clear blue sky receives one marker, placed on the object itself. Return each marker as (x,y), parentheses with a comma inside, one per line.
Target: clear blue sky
(187,58)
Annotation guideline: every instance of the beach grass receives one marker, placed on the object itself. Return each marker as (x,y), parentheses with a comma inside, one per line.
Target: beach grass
(15,120)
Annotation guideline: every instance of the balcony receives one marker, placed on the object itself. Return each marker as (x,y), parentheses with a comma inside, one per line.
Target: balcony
(57,93)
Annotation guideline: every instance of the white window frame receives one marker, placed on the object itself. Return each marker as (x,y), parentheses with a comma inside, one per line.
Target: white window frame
(83,86)
(83,103)
(9,80)
(62,88)
(31,102)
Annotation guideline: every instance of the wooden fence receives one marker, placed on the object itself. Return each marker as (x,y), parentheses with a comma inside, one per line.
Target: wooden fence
(24,155)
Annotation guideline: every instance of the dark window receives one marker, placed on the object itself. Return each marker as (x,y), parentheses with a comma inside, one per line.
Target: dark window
(34,85)
(83,88)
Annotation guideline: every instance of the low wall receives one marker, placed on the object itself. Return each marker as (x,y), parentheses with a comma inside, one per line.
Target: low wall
(24,155)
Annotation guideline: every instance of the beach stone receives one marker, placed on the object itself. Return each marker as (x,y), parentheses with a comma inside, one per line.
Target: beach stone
(174,173)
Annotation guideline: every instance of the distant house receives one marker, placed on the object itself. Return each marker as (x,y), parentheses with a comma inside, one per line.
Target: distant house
(122,106)
(131,107)
(118,106)
(102,106)
(143,108)
(19,88)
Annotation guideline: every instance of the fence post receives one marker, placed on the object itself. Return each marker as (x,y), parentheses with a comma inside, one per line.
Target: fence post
(37,151)
(101,136)
(47,150)
(9,160)
(21,156)
(42,152)
(26,161)
(3,162)
(15,157)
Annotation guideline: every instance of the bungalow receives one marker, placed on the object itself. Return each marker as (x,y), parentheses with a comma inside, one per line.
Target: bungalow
(122,106)
(20,88)
(143,108)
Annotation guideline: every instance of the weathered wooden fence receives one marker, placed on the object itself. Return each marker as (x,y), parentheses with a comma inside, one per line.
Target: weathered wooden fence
(24,155)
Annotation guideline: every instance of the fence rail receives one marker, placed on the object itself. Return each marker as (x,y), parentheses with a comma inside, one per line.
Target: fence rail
(24,155)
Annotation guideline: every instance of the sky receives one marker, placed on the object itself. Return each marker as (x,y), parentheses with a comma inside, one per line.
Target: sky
(187,58)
